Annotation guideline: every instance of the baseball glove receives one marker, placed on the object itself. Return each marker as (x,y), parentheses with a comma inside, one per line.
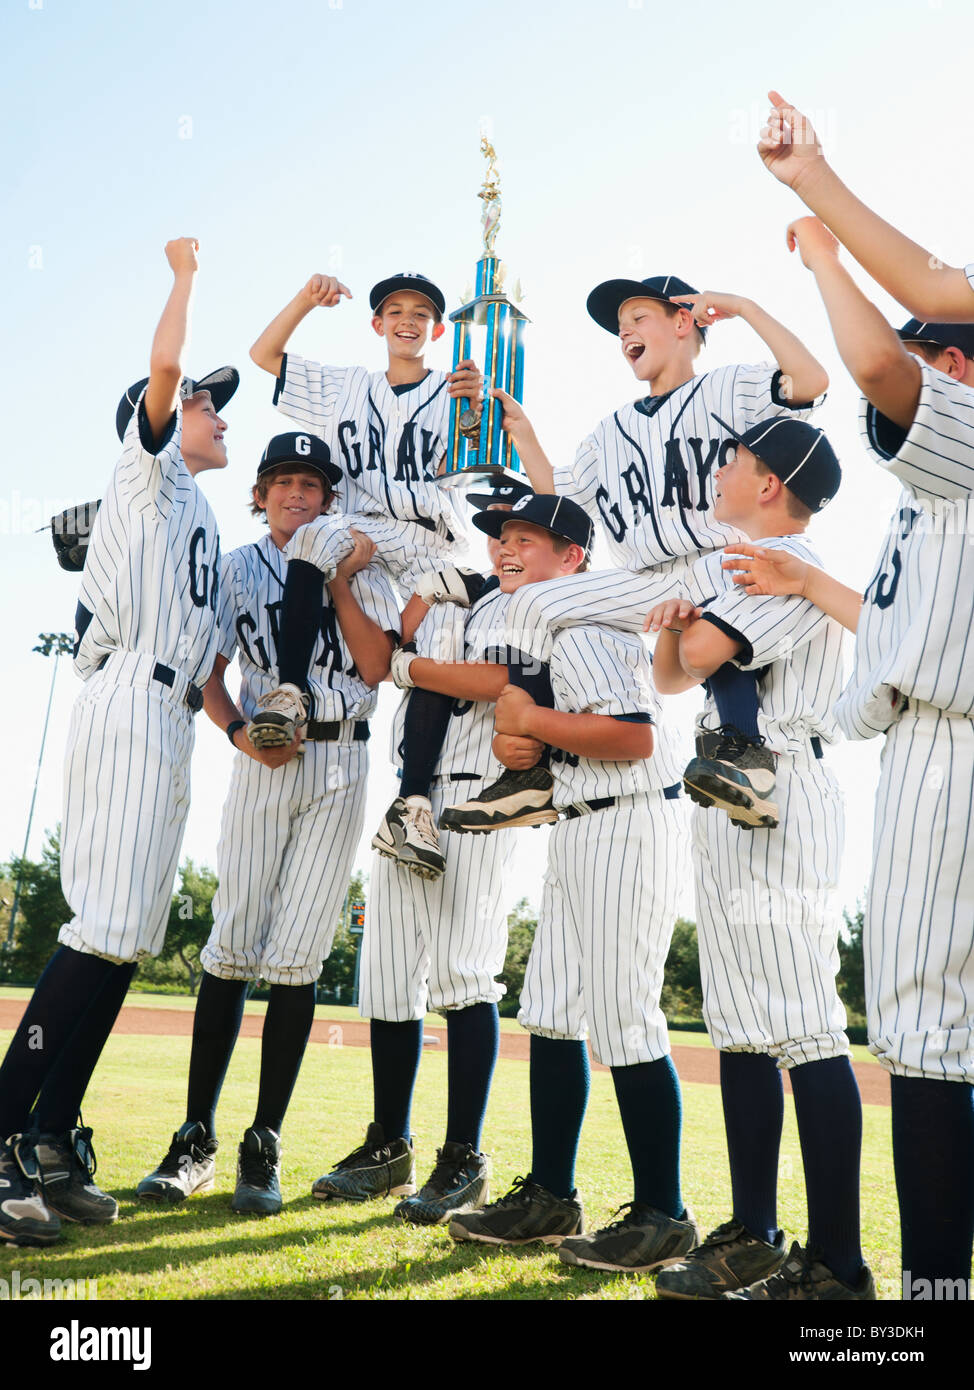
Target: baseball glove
(70,531)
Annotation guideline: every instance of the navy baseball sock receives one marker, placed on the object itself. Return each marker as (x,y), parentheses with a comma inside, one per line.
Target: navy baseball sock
(61,999)
(735,694)
(531,675)
(652,1114)
(559,1097)
(287,1026)
(933,1158)
(534,677)
(300,622)
(754,1107)
(426,719)
(473,1036)
(396,1051)
(219,1009)
(829,1114)
(59,1102)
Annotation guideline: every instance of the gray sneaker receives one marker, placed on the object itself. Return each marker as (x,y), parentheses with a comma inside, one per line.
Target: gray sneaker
(187,1168)
(375,1169)
(527,1213)
(736,774)
(730,1258)
(457,1184)
(67,1163)
(644,1239)
(804,1278)
(258,1189)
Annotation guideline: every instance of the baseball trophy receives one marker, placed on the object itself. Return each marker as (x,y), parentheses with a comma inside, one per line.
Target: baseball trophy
(478,450)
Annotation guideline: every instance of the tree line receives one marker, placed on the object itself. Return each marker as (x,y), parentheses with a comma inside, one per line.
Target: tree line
(42,911)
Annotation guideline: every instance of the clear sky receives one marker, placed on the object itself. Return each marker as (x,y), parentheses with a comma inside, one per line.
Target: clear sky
(342,136)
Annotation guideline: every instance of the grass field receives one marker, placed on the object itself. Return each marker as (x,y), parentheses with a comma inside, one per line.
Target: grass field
(318,1251)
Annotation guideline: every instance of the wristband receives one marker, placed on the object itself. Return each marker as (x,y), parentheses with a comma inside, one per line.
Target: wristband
(233,727)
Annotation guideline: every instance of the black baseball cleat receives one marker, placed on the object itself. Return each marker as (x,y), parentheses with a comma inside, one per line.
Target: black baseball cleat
(67,1163)
(258,1189)
(734,773)
(804,1277)
(644,1239)
(187,1168)
(375,1169)
(729,1259)
(24,1217)
(457,1184)
(526,1214)
(516,798)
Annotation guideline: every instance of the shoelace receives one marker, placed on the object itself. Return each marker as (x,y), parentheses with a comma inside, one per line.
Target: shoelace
(85,1153)
(169,1167)
(445,1171)
(726,1234)
(257,1169)
(423,821)
(363,1153)
(519,1194)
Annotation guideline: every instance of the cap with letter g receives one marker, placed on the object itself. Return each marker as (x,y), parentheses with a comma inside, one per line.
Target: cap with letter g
(306,450)
(796,452)
(559,515)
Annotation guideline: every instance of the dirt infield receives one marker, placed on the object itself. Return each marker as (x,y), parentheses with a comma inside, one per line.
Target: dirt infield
(692,1063)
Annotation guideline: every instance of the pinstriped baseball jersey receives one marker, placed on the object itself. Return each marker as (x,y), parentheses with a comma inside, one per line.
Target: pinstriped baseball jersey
(151,577)
(792,644)
(388,443)
(251,595)
(470,732)
(914,636)
(598,671)
(646,471)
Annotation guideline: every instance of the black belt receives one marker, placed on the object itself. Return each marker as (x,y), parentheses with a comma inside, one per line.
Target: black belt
(602,803)
(816,743)
(165,675)
(320,731)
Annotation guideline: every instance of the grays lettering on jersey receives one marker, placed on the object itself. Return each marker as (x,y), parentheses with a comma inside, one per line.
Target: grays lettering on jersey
(151,577)
(646,471)
(388,444)
(796,649)
(914,635)
(252,592)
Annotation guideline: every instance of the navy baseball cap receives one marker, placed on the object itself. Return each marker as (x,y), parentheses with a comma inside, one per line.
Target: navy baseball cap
(221,385)
(958,335)
(558,515)
(797,453)
(506,495)
(607,299)
(406,280)
(307,450)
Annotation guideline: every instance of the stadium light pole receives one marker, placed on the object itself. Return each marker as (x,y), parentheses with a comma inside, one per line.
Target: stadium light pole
(61,644)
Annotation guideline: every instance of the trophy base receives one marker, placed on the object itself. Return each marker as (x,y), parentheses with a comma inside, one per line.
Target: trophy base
(492,475)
